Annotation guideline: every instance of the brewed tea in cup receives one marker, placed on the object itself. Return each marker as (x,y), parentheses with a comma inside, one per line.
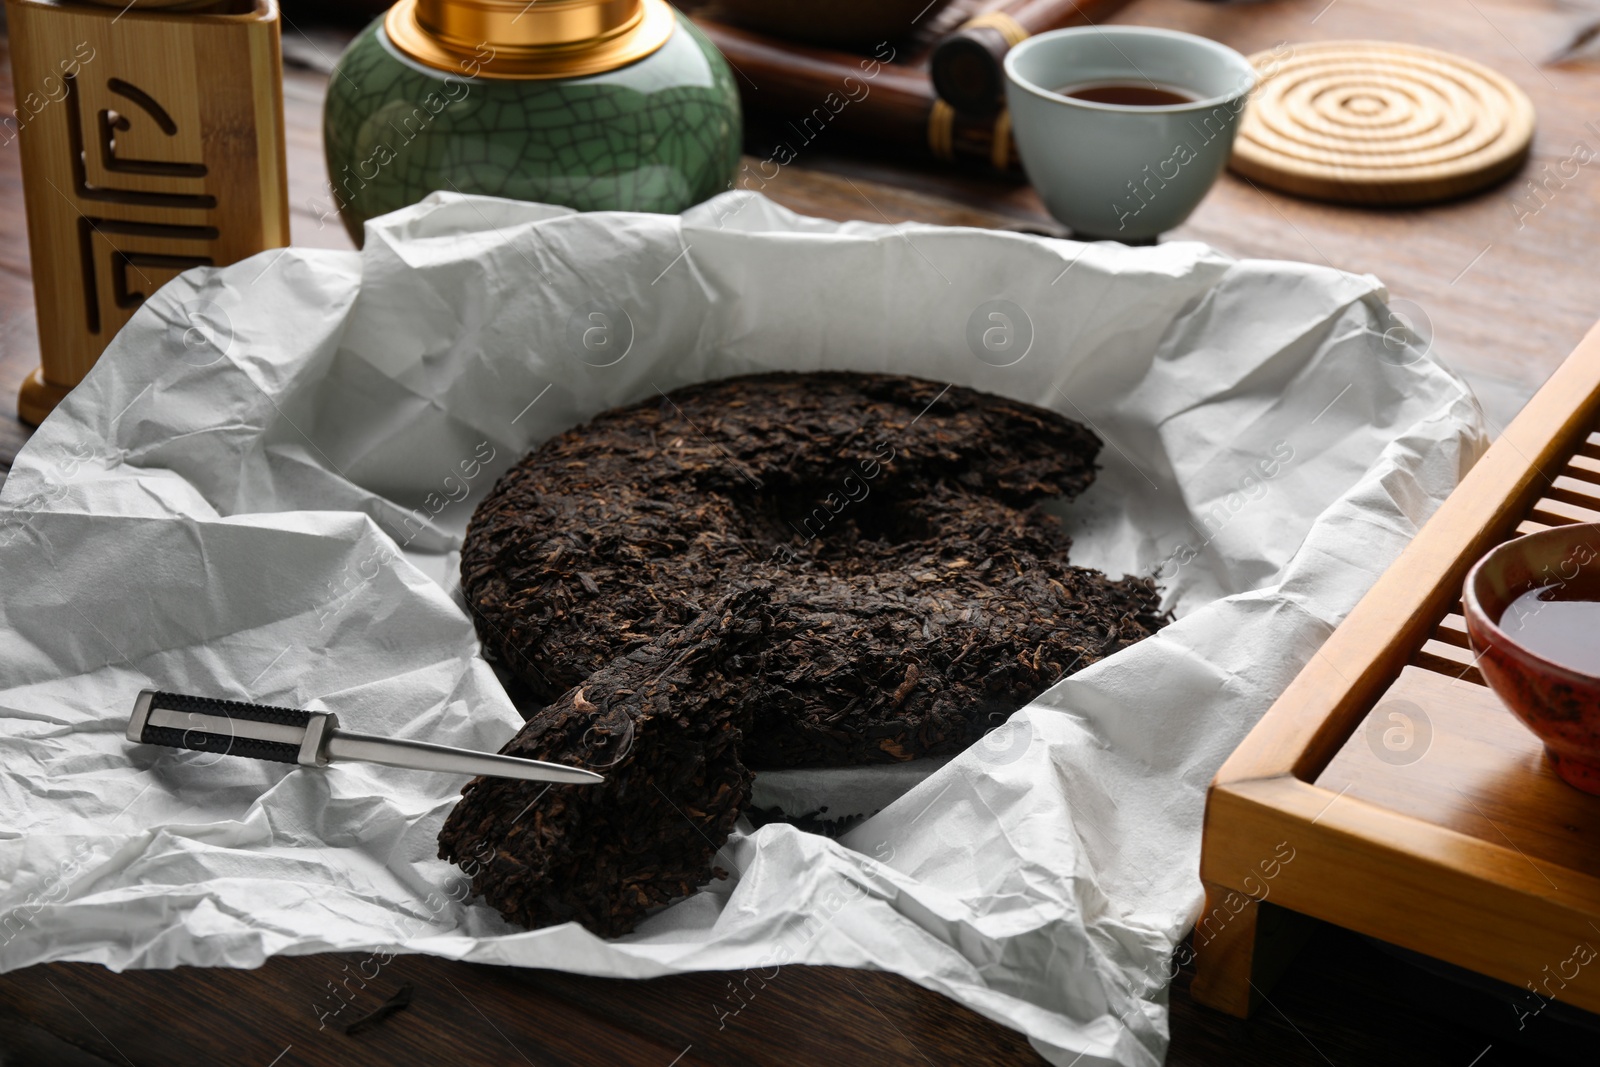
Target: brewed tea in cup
(1123,129)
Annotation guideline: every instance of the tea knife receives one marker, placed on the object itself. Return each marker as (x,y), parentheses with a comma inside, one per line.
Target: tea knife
(313,739)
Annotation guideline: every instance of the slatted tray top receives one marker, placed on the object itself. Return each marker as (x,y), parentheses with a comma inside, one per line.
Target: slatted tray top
(1573,497)
(1440,746)
(1418,808)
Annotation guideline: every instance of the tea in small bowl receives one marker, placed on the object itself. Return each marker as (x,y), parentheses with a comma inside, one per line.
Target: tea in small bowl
(1532,608)
(1127,94)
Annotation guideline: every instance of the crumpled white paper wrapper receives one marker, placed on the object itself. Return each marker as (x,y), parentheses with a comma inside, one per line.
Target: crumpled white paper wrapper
(219,509)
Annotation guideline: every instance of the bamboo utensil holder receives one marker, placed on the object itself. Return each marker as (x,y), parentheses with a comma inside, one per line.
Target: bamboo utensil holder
(152,142)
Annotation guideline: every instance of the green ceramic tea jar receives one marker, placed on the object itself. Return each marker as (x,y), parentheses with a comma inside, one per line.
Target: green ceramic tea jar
(595,104)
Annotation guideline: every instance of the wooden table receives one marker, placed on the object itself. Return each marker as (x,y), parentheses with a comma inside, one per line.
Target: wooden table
(1504,298)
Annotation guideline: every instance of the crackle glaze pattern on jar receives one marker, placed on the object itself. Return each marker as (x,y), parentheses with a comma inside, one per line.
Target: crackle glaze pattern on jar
(660,134)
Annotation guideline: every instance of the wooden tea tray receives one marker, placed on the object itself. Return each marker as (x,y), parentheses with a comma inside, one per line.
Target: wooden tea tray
(1451,836)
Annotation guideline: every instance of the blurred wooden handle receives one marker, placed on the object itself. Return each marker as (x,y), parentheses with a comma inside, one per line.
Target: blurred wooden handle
(966,65)
(863,96)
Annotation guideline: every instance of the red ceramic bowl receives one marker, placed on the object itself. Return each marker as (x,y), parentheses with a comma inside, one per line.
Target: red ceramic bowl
(1559,704)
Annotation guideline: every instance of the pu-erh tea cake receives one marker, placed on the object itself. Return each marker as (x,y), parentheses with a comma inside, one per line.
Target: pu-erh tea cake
(778,570)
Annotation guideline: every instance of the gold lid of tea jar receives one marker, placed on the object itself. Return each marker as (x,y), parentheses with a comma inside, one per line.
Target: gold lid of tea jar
(529,38)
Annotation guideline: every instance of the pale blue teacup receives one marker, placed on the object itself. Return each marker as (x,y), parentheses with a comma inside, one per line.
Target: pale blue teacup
(1120,170)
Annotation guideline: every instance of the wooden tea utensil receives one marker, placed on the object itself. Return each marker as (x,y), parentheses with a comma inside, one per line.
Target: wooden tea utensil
(151,135)
(886,102)
(966,65)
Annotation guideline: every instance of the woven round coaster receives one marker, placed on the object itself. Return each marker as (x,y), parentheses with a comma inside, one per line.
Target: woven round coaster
(1374,122)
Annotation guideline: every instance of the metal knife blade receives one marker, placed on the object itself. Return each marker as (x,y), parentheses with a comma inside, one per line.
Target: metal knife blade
(393,752)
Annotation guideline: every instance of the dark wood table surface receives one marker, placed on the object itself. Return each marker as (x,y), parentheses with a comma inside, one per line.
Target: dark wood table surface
(1505,292)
